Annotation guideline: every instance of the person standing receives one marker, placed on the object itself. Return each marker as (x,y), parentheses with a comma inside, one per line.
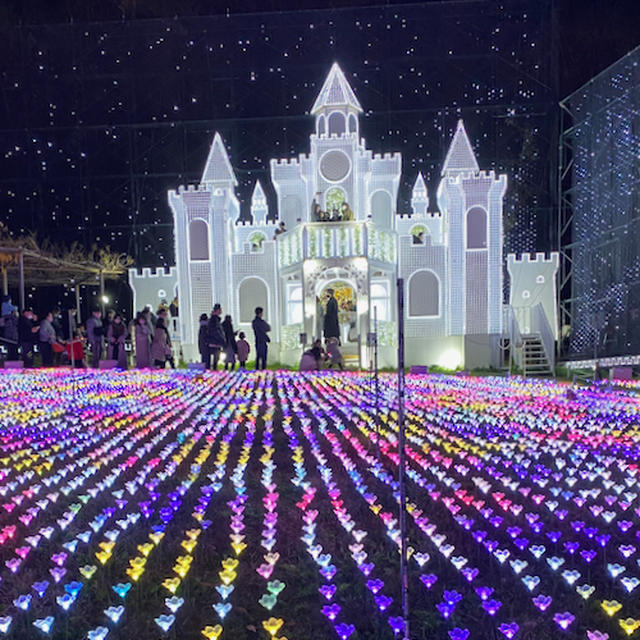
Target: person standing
(331,323)
(333,352)
(26,336)
(260,331)
(95,331)
(231,348)
(203,347)
(159,345)
(215,335)
(143,342)
(116,337)
(47,336)
(163,313)
(243,350)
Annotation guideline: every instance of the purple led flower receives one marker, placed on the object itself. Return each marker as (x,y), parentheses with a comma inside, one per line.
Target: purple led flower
(328,590)
(344,630)
(331,611)
(491,606)
(428,580)
(484,592)
(564,620)
(508,629)
(375,585)
(542,602)
(459,634)
(397,624)
(383,602)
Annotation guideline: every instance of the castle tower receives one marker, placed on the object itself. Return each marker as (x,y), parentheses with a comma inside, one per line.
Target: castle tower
(259,208)
(471,203)
(203,218)
(419,196)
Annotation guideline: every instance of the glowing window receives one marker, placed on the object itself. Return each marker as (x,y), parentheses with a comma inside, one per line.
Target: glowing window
(424,294)
(253,293)
(476,228)
(380,300)
(381,209)
(199,240)
(352,124)
(294,304)
(322,126)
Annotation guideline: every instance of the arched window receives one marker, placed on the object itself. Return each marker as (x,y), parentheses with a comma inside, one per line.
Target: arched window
(353,124)
(476,228)
(381,209)
(253,293)
(322,126)
(424,294)
(380,301)
(294,303)
(199,240)
(336,123)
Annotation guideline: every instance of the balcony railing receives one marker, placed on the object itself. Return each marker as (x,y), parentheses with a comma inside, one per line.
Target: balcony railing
(323,240)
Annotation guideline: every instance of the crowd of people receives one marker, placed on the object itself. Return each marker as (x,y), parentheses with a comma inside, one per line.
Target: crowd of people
(61,340)
(217,337)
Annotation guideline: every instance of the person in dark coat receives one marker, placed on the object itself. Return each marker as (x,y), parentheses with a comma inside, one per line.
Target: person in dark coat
(331,323)
(26,336)
(215,335)
(203,346)
(231,347)
(260,331)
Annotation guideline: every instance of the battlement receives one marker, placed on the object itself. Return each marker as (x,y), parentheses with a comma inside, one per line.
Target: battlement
(151,272)
(470,175)
(289,162)
(420,216)
(387,156)
(537,258)
(190,188)
(250,223)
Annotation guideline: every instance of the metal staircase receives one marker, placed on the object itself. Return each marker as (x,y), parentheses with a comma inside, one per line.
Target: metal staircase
(534,356)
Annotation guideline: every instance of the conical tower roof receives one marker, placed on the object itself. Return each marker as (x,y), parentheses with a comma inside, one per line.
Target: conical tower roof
(460,156)
(419,186)
(218,167)
(335,92)
(258,195)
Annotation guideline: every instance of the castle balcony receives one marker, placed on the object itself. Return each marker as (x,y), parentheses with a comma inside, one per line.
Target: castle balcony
(335,240)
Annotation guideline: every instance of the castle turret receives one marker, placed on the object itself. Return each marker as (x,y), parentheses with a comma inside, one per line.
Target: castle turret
(203,218)
(471,203)
(336,108)
(419,196)
(259,208)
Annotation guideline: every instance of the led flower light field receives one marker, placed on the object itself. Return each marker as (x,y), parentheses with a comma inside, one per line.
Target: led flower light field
(173,505)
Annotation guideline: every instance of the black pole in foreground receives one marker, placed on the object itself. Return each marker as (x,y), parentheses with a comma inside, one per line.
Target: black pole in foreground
(404,573)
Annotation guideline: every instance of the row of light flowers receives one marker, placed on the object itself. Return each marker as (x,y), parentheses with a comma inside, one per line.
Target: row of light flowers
(515,488)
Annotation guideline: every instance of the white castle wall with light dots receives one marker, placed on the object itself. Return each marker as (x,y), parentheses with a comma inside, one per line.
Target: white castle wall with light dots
(343,231)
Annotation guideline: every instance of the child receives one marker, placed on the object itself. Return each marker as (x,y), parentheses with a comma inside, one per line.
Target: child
(75,351)
(243,350)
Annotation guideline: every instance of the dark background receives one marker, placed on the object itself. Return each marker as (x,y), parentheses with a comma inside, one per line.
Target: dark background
(106,105)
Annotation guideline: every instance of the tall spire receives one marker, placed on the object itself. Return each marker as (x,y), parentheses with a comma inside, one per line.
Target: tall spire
(335,92)
(218,167)
(460,157)
(259,208)
(419,196)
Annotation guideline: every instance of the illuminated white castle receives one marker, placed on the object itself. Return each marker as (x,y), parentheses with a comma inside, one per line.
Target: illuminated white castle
(343,231)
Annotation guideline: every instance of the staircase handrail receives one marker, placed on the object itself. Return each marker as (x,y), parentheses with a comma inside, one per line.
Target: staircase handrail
(542,327)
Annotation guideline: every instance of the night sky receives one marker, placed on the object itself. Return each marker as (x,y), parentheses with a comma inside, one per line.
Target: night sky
(106,105)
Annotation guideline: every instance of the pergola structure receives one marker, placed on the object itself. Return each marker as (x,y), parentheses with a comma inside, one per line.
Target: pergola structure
(22,259)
